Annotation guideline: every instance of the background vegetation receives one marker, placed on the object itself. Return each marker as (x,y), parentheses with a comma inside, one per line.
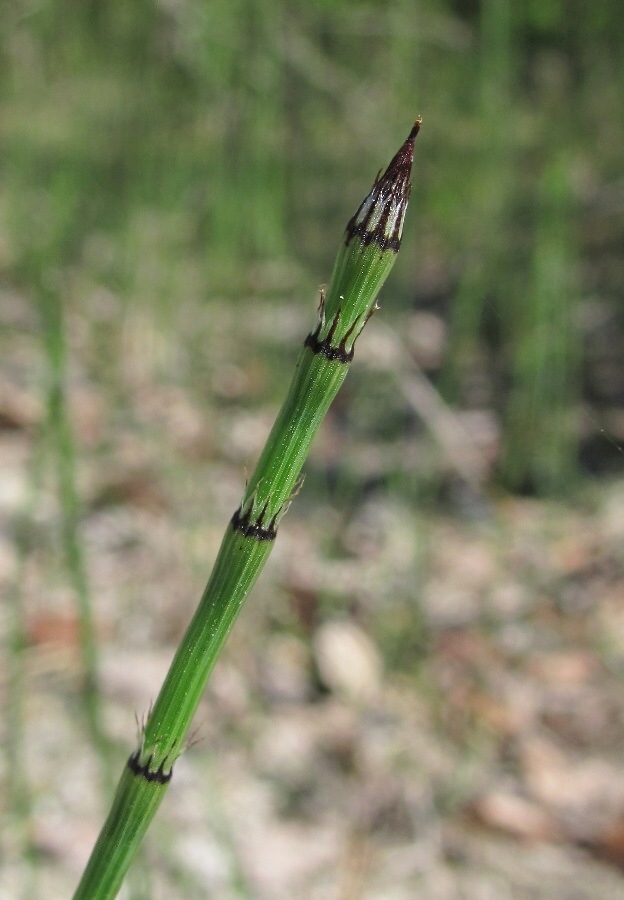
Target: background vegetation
(174,180)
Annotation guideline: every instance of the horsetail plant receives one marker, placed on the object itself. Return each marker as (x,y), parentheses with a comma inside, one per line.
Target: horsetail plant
(371,242)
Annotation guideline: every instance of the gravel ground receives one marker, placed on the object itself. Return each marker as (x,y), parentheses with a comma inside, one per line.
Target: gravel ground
(410,705)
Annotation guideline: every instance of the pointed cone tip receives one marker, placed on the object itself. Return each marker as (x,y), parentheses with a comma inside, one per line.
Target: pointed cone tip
(415,129)
(404,157)
(379,219)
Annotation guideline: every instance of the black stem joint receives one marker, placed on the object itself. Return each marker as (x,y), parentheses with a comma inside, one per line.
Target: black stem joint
(326,347)
(242,521)
(144,770)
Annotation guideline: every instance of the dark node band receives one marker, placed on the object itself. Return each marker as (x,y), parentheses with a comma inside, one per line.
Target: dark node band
(327,349)
(143,770)
(251,529)
(377,236)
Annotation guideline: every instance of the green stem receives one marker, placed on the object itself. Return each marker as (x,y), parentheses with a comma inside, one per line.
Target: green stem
(366,256)
(63,448)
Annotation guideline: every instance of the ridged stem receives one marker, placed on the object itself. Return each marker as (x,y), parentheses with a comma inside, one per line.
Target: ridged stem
(368,251)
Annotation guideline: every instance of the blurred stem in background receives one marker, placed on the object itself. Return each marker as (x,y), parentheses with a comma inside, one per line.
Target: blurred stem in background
(48,235)
(542,431)
(60,439)
(490,200)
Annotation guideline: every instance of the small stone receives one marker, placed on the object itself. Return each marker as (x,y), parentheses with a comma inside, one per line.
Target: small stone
(348,661)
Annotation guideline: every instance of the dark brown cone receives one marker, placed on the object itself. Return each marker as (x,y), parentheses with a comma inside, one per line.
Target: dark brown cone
(379,220)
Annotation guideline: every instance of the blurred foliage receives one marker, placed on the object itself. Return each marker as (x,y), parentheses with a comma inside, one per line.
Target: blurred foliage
(169,153)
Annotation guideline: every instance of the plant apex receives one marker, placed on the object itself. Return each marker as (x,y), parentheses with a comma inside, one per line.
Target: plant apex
(379,220)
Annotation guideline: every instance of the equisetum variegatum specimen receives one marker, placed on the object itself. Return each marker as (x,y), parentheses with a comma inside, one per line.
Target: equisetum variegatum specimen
(367,253)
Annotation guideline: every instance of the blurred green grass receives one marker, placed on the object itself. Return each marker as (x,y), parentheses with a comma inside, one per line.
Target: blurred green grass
(163,156)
